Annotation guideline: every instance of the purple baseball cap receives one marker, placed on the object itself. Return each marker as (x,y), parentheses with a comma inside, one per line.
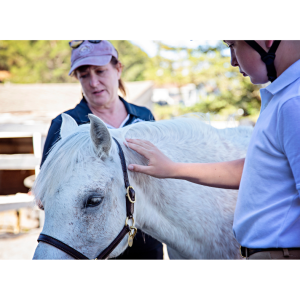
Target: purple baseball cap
(87,53)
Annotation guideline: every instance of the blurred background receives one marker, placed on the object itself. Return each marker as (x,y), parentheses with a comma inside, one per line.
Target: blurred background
(171,78)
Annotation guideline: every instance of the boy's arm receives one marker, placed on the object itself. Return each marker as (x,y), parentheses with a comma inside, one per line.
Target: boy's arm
(225,175)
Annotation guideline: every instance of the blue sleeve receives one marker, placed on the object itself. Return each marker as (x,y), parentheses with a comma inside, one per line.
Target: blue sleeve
(52,137)
(289,135)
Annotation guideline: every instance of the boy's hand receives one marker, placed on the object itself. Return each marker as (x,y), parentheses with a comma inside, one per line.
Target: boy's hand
(159,165)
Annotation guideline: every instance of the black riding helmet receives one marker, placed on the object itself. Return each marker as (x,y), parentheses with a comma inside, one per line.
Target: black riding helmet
(267,57)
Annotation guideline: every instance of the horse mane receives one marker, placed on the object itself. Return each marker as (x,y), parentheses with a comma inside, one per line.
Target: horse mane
(62,158)
(189,131)
(182,132)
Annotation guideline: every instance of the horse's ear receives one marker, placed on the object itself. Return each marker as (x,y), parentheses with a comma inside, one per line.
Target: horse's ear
(100,136)
(68,125)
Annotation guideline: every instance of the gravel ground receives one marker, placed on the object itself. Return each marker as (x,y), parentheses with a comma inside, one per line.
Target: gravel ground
(18,246)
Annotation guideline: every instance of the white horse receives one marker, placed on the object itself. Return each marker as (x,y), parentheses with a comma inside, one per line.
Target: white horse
(81,188)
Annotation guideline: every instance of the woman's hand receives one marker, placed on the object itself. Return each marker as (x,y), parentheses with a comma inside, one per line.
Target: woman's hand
(159,165)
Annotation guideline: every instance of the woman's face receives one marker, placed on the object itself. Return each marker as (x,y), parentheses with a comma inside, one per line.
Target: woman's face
(100,84)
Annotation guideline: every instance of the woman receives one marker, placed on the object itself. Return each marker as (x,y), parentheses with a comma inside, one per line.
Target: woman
(95,64)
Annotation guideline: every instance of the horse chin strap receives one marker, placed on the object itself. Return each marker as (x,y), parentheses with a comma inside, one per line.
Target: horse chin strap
(267,57)
(130,200)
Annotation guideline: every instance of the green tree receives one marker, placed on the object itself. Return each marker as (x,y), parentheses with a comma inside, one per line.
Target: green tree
(223,89)
(36,61)
(133,58)
(49,61)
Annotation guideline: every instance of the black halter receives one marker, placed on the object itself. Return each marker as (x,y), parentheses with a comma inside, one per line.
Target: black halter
(130,200)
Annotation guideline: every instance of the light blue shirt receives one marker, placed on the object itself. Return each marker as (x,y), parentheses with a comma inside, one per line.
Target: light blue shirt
(267,213)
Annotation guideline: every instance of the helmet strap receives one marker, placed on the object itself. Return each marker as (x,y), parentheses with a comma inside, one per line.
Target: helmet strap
(267,57)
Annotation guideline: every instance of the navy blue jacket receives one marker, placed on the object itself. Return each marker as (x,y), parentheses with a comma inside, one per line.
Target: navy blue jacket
(144,246)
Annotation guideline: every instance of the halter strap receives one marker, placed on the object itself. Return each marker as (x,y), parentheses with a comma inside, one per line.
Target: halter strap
(60,245)
(130,199)
(267,57)
(130,190)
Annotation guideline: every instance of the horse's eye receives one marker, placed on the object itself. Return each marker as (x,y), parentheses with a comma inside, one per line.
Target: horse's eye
(94,201)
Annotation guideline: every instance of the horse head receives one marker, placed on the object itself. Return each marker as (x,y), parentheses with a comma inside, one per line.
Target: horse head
(81,189)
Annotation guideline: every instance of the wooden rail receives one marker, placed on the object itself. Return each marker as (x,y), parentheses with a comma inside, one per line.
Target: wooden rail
(21,162)
(15,202)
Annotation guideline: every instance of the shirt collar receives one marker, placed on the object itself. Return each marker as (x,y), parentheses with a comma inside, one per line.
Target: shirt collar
(266,97)
(130,108)
(286,78)
(291,74)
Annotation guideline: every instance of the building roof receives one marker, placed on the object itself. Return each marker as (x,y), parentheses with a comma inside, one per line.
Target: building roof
(25,98)
(40,103)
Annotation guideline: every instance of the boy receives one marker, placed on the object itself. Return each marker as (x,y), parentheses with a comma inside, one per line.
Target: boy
(267,215)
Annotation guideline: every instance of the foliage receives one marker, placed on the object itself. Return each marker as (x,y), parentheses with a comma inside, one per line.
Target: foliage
(223,90)
(36,61)
(133,60)
(166,111)
(49,61)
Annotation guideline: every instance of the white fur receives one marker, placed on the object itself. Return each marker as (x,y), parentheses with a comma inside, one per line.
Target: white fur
(68,126)
(194,221)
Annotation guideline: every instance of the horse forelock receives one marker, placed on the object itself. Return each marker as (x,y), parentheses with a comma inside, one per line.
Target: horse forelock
(67,155)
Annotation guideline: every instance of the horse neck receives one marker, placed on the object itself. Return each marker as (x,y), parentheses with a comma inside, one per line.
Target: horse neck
(192,220)
(169,210)
(155,213)
(162,208)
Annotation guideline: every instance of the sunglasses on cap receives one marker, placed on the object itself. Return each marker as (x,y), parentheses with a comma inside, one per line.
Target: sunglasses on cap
(75,44)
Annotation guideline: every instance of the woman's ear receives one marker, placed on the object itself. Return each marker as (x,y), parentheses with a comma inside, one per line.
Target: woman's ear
(119,68)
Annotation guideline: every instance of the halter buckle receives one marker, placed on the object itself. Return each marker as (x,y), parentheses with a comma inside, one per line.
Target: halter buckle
(134,231)
(127,219)
(128,194)
(241,253)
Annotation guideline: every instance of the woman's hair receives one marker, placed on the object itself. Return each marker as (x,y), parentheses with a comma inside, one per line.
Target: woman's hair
(114,61)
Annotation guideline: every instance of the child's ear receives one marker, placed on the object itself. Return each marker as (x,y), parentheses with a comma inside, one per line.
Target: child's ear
(269,44)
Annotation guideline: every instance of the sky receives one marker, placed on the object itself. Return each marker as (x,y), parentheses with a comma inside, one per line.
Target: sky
(151,49)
